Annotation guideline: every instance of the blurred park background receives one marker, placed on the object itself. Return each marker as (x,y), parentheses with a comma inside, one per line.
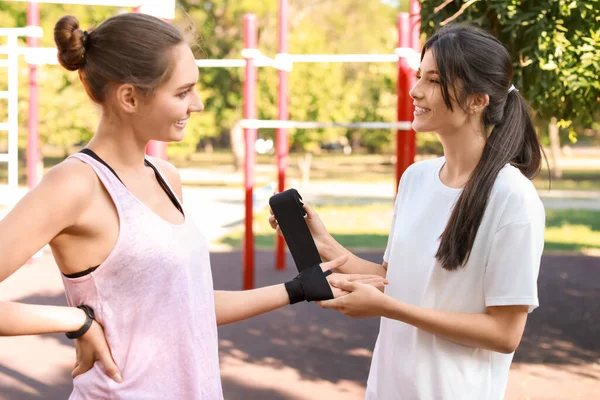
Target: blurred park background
(347,174)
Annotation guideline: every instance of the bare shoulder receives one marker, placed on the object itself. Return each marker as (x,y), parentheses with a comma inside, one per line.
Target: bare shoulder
(171,175)
(71,176)
(69,184)
(57,203)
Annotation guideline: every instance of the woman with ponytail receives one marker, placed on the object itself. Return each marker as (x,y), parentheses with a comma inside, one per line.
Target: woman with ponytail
(467,235)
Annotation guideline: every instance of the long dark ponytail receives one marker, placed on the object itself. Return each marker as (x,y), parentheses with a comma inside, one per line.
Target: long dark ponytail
(471,61)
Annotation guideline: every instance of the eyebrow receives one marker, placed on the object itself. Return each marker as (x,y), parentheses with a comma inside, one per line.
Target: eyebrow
(186,86)
(432,72)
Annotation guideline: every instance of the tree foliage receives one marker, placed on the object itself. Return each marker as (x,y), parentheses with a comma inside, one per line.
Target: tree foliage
(324,92)
(555,47)
(554,44)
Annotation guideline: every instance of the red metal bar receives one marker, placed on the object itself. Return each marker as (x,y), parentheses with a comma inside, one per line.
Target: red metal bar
(33,151)
(415,24)
(282,135)
(250,111)
(157,149)
(405,140)
(415,43)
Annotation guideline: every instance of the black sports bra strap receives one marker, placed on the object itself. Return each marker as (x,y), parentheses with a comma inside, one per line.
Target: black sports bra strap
(165,186)
(101,161)
(159,177)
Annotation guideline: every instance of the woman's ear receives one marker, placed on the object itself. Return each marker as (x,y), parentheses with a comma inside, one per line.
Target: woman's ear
(477,102)
(127,98)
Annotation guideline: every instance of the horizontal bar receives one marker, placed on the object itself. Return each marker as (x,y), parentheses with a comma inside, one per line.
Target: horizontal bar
(113,3)
(4,158)
(221,63)
(31,31)
(4,63)
(4,126)
(4,94)
(284,124)
(34,55)
(327,58)
(47,55)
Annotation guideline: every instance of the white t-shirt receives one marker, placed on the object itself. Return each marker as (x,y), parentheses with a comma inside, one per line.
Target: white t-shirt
(409,363)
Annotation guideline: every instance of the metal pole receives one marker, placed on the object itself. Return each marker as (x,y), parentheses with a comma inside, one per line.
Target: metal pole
(33,152)
(13,112)
(404,138)
(415,43)
(250,81)
(282,142)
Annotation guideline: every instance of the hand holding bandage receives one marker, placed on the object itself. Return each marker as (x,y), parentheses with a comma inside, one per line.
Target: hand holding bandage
(312,283)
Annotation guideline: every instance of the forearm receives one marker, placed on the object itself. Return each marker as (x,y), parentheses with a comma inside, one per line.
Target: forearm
(25,319)
(233,306)
(330,249)
(469,329)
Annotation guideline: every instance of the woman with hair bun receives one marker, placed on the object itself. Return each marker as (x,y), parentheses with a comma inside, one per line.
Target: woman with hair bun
(136,269)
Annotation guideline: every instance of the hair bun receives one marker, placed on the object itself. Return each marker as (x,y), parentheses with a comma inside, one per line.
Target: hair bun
(69,41)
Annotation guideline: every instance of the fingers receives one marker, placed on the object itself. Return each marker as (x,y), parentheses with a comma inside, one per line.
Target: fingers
(363,278)
(273,222)
(338,292)
(335,263)
(109,365)
(102,353)
(335,303)
(344,285)
(371,281)
(81,368)
(310,213)
(84,359)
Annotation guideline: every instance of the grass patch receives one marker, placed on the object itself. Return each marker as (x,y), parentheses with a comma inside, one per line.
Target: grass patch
(572,230)
(367,227)
(575,179)
(375,168)
(353,226)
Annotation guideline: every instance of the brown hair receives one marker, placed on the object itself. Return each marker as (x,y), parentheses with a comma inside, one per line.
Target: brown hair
(458,51)
(127,48)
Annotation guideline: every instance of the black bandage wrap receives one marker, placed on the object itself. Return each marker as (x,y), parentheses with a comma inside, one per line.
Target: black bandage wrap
(310,285)
(289,213)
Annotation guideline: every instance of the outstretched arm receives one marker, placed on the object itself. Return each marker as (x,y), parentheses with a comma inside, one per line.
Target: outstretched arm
(233,306)
(329,248)
(498,329)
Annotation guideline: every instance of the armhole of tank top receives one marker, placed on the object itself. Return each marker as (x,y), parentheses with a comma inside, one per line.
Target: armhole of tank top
(94,156)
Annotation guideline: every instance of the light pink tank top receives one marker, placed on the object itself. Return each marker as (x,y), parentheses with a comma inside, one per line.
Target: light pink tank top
(154,297)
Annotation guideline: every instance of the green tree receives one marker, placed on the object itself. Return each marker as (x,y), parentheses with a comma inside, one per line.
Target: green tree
(327,92)
(555,47)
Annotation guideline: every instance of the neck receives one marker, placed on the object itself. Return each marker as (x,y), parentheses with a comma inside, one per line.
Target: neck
(117,144)
(463,152)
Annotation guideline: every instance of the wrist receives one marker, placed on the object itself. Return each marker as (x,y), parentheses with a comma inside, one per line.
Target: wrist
(328,247)
(75,320)
(83,328)
(389,307)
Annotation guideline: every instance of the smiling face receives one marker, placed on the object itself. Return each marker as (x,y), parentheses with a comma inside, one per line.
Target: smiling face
(431,113)
(164,115)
